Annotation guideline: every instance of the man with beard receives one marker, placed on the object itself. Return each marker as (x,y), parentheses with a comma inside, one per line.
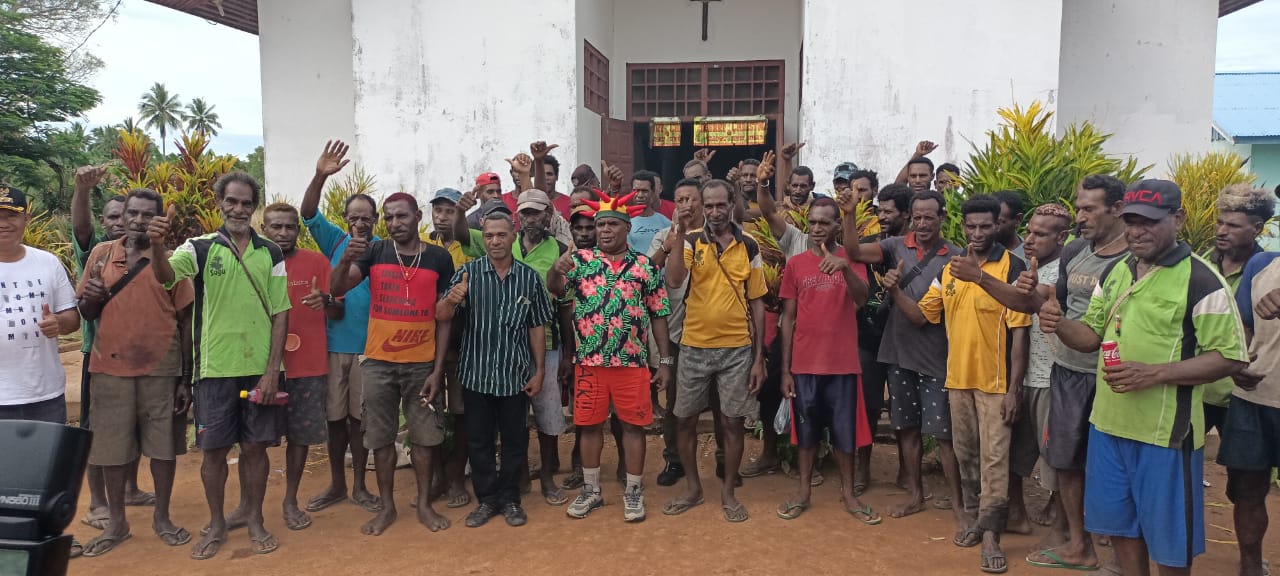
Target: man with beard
(501,367)
(1011,212)
(404,352)
(138,360)
(612,281)
(697,169)
(648,222)
(241,320)
(723,340)
(800,185)
(305,357)
(346,335)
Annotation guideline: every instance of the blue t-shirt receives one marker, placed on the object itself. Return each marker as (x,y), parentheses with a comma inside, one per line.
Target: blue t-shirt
(347,335)
(643,228)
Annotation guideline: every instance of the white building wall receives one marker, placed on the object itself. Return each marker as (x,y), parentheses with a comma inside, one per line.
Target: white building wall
(1143,70)
(594,24)
(445,90)
(881,76)
(671,31)
(307,91)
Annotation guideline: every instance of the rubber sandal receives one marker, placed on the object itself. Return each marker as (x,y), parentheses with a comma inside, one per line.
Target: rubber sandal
(735,514)
(1057,562)
(265,545)
(755,469)
(204,530)
(176,537)
(92,550)
(987,557)
(556,497)
(77,549)
(296,523)
(142,499)
(98,522)
(967,538)
(677,507)
(320,502)
(211,548)
(458,500)
(860,489)
(792,510)
(372,504)
(817,479)
(865,515)
(943,503)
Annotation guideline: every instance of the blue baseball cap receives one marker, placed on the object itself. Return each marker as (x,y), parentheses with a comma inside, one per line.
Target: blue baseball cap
(449,194)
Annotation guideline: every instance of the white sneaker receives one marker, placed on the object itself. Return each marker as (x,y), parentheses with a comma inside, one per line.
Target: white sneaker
(589,499)
(633,504)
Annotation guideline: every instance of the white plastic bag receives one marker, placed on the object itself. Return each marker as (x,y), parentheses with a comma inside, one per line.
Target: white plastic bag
(782,420)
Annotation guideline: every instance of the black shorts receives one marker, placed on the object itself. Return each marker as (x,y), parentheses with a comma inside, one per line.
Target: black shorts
(1250,437)
(1070,403)
(223,419)
(1215,417)
(829,402)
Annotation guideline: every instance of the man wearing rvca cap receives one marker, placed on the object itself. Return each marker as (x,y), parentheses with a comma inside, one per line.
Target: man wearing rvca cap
(1171,320)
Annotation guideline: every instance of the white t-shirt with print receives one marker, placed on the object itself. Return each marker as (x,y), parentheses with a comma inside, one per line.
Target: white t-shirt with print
(1041,353)
(30,370)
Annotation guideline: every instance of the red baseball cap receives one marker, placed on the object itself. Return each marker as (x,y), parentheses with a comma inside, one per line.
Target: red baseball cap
(488,178)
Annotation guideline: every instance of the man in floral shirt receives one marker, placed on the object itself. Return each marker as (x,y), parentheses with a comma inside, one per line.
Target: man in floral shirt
(617,294)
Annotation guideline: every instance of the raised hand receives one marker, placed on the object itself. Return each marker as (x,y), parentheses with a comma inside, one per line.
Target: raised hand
(831,264)
(356,248)
(540,149)
(1050,315)
(734,172)
(332,159)
(1028,279)
(790,150)
(892,277)
(924,147)
(88,176)
(612,174)
(564,264)
(848,202)
(314,299)
(967,268)
(704,154)
(48,323)
(521,164)
(458,294)
(158,228)
(469,199)
(764,172)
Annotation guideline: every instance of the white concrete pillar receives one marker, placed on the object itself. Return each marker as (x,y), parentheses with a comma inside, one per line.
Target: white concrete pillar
(881,76)
(445,90)
(1143,70)
(307,91)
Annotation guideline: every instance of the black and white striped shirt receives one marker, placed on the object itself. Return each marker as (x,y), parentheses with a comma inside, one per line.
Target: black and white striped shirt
(496,318)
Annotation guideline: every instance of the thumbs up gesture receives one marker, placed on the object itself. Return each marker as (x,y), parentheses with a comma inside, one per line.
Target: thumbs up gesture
(458,294)
(158,228)
(1050,315)
(1028,279)
(565,264)
(892,277)
(831,263)
(967,268)
(48,323)
(315,299)
(356,248)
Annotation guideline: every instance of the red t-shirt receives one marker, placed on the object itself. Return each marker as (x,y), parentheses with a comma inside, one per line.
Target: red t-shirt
(560,202)
(826,335)
(667,208)
(306,326)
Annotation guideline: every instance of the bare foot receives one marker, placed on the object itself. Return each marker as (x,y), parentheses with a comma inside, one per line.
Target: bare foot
(1051,540)
(379,523)
(1018,522)
(434,522)
(366,500)
(1049,514)
(914,504)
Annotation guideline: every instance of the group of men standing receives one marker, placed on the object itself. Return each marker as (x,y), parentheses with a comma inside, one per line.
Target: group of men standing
(1106,358)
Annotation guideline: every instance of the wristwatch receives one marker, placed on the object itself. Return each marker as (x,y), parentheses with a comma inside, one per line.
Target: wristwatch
(329,301)
(667,361)
(765,183)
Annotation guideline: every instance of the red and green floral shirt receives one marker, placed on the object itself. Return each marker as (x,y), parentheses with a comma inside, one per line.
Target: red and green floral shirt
(613,302)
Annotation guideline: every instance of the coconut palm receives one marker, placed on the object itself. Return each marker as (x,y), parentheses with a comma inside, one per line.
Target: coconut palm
(129,125)
(161,111)
(202,118)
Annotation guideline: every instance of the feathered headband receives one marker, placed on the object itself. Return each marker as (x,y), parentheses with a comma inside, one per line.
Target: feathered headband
(610,207)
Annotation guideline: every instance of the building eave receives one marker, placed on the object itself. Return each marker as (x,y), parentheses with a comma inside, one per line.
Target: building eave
(239,14)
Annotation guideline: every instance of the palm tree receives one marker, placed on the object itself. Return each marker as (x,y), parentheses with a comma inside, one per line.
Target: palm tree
(129,125)
(161,111)
(202,118)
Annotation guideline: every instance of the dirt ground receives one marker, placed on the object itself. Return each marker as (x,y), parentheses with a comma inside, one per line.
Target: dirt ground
(824,541)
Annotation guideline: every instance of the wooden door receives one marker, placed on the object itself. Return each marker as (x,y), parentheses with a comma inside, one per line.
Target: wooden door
(617,146)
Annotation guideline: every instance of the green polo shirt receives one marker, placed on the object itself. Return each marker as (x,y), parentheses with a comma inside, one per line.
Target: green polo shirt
(230,326)
(1219,393)
(1178,311)
(541,258)
(496,317)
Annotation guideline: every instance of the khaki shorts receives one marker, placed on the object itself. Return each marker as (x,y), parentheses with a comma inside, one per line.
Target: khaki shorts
(346,386)
(132,415)
(728,369)
(390,388)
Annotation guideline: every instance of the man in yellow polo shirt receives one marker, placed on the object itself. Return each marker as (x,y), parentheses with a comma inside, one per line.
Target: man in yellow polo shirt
(723,339)
(986,363)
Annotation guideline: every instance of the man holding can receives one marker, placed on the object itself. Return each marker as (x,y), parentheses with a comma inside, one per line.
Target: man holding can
(1146,439)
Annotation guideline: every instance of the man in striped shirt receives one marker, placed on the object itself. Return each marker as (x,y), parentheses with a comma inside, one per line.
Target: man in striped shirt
(501,363)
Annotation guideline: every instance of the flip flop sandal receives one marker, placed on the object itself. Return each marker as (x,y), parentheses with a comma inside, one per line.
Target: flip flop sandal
(556,497)
(792,510)
(756,469)
(103,544)
(143,499)
(859,489)
(458,500)
(176,537)
(77,549)
(735,514)
(817,479)
(371,504)
(987,557)
(865,515)
(211,549)
(297,522)
(967,538)
(573,481)
(204,530)
(320,503)
(265,545)
(94,521)
(1057,562)
(943,503)
(678,507)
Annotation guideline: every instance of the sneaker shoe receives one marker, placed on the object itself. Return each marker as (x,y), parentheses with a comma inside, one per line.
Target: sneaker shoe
(481,515)
(514,514)
(573,481)
(633,504)
(670,474)
(586,501)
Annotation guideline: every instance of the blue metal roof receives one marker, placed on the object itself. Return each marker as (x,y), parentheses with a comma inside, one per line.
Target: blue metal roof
(1246,106)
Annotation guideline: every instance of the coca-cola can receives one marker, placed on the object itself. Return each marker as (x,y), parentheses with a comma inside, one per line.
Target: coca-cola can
(1110,353)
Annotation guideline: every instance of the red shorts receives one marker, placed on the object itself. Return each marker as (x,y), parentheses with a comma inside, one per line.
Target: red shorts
(594,387)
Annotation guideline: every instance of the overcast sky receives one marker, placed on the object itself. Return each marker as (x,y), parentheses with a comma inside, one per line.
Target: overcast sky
(147,43)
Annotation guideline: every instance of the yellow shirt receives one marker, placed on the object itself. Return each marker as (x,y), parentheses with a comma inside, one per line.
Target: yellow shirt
(721,287)
(454,249)
(978,327)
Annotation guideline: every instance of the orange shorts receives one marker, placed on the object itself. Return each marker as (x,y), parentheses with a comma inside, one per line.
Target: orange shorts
(594,387)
